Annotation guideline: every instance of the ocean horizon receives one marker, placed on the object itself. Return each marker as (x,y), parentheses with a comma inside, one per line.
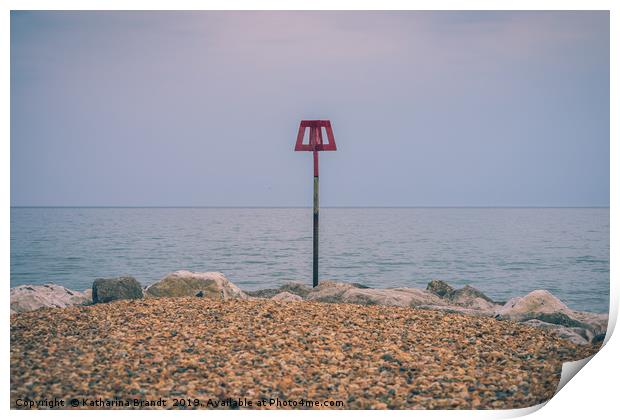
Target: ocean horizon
(502,251)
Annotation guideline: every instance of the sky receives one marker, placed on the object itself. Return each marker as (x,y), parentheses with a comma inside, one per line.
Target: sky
(202,108)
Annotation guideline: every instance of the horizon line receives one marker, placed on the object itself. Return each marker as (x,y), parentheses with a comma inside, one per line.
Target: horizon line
(306,207)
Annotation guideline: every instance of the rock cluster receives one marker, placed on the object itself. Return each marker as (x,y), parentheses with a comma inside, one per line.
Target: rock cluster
(363,355)
(539,308)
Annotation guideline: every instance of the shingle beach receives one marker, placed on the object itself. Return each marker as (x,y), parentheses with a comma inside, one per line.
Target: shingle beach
(222,350)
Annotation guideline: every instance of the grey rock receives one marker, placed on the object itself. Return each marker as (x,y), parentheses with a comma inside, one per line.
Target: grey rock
(187,283)
(576,335)
(471,297)
(31,297)
(542,306)
(536,302)
(405,297)
(329,291)
(295,288)
(467,296)
(108,290)
(439,288)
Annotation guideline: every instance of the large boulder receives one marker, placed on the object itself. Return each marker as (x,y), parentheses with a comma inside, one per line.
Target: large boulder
(188,283)
(30,297)
(108,290)
(541,305)
(529,306)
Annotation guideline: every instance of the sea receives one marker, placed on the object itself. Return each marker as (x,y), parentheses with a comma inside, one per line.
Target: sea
(504,252)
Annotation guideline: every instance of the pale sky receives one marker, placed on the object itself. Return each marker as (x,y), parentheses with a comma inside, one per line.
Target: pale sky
(202,108)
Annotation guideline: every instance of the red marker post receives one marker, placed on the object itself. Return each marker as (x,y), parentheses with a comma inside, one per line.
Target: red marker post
(315,144)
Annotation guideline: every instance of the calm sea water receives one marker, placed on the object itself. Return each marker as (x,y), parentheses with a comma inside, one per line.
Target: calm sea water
(503,252)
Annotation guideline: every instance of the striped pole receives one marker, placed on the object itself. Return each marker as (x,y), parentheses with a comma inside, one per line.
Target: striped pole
(315,224)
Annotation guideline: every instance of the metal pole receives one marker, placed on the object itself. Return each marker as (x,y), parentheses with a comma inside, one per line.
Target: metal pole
(315,236)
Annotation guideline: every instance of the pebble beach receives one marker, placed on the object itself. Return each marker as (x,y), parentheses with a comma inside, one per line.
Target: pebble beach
(206,350)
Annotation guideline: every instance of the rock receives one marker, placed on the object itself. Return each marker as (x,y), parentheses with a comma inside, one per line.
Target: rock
(468,296)
(456,309)
(405,297)
(329,291)
(295,288)
(188,283)
(541,305)
(597,323)
(439,288)
(471,298)
(287,297)
(108,290)
(579,336)
(536,302)
(340,292)
(29,297)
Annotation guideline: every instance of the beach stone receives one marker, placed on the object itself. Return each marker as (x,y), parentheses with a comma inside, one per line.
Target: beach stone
(287,297)
(471,297)
(597,323)
(579,336)
(295,288)
(27,298)
(405,297)
(362,355)
(536,302)
(187,283)
(468,296)
(108,290)
(455,309)
(439,288)
(541,305)
(329,291)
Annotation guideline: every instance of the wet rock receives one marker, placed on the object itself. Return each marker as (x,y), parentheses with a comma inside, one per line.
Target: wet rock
(286,297)
(108,290)
(187,283)
(30,297)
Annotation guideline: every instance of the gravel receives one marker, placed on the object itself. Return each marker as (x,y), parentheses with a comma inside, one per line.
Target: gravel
(365,356)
